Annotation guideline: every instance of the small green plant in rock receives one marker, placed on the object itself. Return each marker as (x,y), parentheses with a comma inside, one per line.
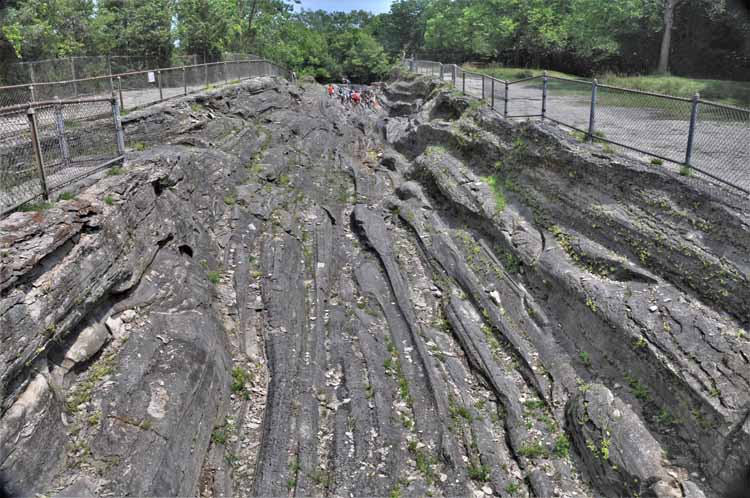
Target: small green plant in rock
(219,435)
(139,146)
(479,473)
(562,446)
(240,377)
(497,190)
(585,358)
(229,200)
(35,206)
(656,162)
(214,277)
(534,450)
(115,170)
(664,417)
(109,200)
(640,343)
(66,196)
(686,170)
(512,488)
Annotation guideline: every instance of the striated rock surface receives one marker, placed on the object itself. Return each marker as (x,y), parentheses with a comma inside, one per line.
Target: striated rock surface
(282,297)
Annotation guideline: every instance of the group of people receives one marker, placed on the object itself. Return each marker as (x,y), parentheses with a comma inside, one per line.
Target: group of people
(354,97)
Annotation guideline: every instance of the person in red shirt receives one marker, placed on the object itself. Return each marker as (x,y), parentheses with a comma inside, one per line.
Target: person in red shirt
(356,98)
(330,90)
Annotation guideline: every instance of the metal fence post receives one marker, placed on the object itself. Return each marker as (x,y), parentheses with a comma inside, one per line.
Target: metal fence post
(482,87)
(691,131)
(463,84)
(119,135)
(31,115)
(62,140)
(505,110)
(158,80)
(119,90)
(73,72)
(454,75)
(592,113)
(31,92)
(441,71)
(184,80)
(544,94)
(109,70)
(492,88)
(226,74)
(205,73)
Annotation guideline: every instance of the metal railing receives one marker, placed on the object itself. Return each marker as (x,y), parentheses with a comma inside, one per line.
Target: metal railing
(698,137)
(53,134)
(47,145)
(138,88)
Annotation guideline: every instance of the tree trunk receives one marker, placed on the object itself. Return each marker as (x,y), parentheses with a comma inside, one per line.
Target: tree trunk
(666,40)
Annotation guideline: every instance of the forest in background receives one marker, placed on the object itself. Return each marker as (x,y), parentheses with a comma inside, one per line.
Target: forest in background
(707,39)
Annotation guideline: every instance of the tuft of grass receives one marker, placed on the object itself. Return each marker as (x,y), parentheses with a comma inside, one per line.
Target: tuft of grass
(240,377)
(214,277)
(139,146)
(657,162)
(66,196)
(534,450)
(497,190)
(116,170)
(512,488)
(585,358)
(220,435)
(109,200)
(562,446)
(479,473)
(686,170)
(230,200)
(35,206)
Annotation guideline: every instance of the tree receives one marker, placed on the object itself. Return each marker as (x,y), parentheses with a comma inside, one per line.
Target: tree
(366,59)
(203,26)
(668,11)
(49,28)
(404,26)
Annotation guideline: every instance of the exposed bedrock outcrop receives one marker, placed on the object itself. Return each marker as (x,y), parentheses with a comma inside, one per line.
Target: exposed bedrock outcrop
(283,296)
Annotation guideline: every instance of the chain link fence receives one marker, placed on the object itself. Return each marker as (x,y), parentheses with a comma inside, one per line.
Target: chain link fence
(692,136)
(139,88)
(47,145)
(82,67)
(53,134)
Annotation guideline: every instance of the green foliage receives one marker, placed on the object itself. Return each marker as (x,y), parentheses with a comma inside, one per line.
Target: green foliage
(214,277)
(66,196)
(116,170)
(240,377)
(109,200)
(35,206)
(534,450)
(497,190)
(479,473)
(562,446)
(512,488)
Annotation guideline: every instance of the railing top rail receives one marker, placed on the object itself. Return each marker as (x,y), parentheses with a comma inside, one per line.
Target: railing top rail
(526,79)
(642,92)
(611,87)
(725,106)
(48,103)
(132,73)
(572,80)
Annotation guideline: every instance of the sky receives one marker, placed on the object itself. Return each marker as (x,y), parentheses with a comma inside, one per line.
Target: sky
(374,6)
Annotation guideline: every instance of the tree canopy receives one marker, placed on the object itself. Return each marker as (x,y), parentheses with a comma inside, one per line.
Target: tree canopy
(580,36)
